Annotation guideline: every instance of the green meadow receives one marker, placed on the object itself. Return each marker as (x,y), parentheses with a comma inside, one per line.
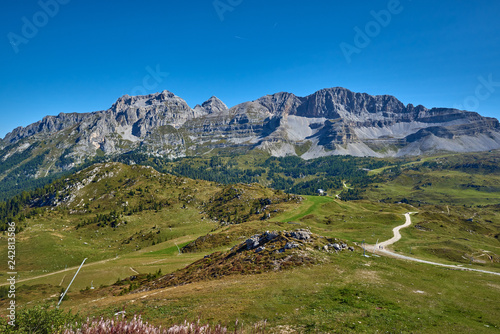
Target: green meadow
(131,221)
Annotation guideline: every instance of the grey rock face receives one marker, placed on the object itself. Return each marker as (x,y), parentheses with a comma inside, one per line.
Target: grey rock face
(212,106)
(268,236)
(300,234)
(47,125)
(331,121)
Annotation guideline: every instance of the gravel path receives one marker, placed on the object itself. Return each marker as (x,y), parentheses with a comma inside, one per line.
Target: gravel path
(397,234)
(381,249)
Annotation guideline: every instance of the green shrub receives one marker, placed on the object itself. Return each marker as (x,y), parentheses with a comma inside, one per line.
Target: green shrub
(39,320)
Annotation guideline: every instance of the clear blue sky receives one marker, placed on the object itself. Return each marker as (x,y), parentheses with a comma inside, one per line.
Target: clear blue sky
(88,53)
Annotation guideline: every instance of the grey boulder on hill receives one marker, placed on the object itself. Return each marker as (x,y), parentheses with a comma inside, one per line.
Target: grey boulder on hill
(329,122)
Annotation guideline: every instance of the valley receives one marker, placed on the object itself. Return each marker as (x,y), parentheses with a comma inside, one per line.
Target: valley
(137,224)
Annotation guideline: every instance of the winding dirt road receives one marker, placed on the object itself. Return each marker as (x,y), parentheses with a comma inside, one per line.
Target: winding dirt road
(397,234)
(381,249)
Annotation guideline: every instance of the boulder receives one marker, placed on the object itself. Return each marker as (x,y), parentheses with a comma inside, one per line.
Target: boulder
(260,249)
(268,236)
(336,246)
(290,245)
(252,242)
(300,234)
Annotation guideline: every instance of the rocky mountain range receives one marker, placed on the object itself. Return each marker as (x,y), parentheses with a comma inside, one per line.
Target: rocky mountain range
(333,121)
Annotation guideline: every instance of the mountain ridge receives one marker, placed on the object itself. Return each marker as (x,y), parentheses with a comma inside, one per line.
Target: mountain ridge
(331,121)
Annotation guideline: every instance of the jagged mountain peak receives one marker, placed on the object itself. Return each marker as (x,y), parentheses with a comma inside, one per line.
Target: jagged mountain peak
(280,103)
(419,108)
(340,102)
(144,100)
(341,91)
(212,106)
(213,98)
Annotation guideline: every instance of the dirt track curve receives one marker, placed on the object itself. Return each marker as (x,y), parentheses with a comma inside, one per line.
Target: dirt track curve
(381,249)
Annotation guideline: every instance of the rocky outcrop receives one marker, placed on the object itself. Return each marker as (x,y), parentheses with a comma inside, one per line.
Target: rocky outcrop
(268,251)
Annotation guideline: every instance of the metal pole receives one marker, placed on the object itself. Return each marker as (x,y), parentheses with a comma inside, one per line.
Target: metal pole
(64,294)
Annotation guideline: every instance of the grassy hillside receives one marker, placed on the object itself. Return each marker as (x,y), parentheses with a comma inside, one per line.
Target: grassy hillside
(113,209)
(347,293)
(460,179)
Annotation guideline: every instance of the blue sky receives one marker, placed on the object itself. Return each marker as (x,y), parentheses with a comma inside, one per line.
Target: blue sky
(82,55)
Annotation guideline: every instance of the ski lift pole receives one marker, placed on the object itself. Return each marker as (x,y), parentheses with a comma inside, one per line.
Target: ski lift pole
(64,294)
